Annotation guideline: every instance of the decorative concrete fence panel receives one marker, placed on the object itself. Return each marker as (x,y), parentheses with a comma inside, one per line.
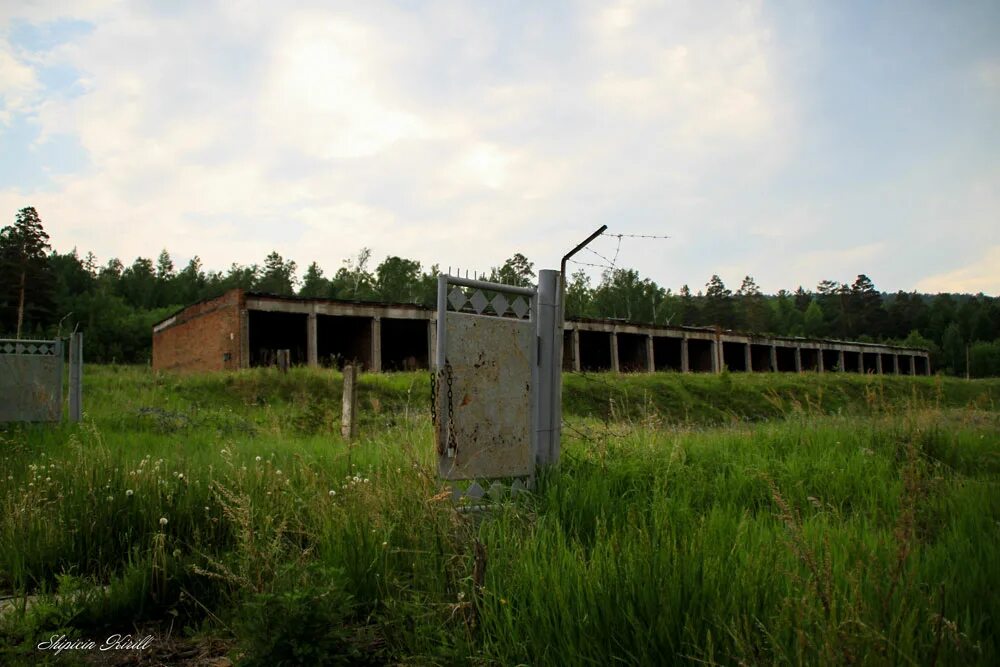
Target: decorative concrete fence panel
(31,380)
(486,379)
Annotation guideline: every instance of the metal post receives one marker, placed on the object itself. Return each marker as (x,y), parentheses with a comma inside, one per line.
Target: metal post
(75,376)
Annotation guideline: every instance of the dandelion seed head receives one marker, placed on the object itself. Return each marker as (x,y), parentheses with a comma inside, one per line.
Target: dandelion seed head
(163,520)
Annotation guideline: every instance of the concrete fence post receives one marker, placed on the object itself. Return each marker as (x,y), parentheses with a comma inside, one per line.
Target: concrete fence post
(312,340)
(349,413)
(75,376)
(685,361)
(284,359)
(549,392)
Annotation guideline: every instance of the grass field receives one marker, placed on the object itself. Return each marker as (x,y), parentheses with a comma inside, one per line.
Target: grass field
(793,519)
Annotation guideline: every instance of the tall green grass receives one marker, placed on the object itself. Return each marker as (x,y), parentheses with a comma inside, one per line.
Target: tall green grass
(854,520)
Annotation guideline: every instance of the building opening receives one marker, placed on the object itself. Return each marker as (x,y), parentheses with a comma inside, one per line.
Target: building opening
(270,332)
(342,339)
(595,351)
(404,344)
(632,353)
(700,353)
(734,356)
(667,353)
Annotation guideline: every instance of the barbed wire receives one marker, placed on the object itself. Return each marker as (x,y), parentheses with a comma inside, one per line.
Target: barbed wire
(596,266)
(598,254)
(636,236)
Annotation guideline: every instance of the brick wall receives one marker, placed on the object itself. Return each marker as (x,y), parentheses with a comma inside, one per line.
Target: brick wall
(202,337)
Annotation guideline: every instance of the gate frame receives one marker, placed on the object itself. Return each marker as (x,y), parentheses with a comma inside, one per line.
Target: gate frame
(545,313)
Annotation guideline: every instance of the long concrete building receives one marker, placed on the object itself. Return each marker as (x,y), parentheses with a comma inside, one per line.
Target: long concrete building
(245,329)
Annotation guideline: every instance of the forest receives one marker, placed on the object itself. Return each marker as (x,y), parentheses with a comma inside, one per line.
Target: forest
(45,293)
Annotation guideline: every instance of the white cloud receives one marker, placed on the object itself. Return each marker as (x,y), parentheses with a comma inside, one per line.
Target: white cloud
(449,135)
(18,84)
(982,275)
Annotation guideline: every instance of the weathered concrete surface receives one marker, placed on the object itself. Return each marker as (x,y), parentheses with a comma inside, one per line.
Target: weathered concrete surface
(490,370)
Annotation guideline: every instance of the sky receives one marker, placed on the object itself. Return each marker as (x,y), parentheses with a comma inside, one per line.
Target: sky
(791,141)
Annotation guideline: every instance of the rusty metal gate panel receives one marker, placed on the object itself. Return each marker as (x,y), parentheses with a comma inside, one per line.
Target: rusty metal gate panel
(30,380)
(486,377)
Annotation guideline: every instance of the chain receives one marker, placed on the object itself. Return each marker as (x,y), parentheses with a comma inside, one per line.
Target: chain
(452,443)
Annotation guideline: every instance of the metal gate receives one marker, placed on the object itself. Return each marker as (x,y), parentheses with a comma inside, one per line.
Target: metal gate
(486,379)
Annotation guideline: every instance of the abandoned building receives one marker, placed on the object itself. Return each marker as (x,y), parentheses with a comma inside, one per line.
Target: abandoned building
(245,329)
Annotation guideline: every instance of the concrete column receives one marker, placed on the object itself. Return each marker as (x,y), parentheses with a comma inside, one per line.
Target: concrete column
(774,358)
(748,358)
(841,363)
(577,366)
(913,365)
(895,364)
(376,344)
(312,345)
(650,362)
(685,362)
(614,351)
(244,339)
(431,343)
(819,360)
(878,363)
(798,360)
(716,356)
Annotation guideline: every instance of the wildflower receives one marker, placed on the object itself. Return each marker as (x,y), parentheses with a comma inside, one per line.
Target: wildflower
(366,480)
(110,498)
(258,459)
(332,492)
(163,520)
(206,509)
(385,544)
(278,473)
(180,475)
(177,553)
(128,493)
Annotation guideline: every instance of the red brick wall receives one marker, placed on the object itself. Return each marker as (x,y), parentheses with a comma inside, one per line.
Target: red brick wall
(201,336)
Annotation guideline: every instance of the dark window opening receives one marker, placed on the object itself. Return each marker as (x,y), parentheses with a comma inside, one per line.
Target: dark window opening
(270,332)
(734,356)
(404,345)
(760,358)
(831,360)
(810,359)
(700,355)
(632,353)
(595,351)
(870,360)
(905,364)
(851,362)
(667,353)
(786,359)
(341,340)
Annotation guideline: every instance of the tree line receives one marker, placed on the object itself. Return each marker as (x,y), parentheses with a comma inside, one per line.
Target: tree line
(45,293)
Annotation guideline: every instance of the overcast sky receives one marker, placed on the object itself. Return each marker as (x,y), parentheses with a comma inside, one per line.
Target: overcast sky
(791,141)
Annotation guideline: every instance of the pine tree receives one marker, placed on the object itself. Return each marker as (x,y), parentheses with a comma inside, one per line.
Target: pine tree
(24,264)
